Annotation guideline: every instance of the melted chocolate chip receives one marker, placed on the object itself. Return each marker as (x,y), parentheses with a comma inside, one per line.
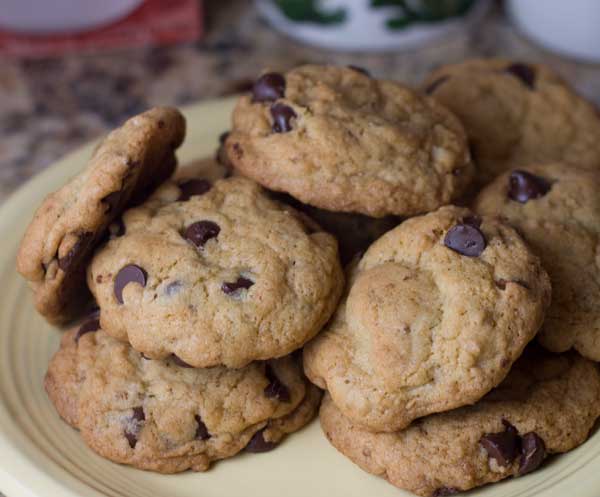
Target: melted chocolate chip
(533,452)
(523,72)
(201,431)
(474,221)
(259,444)
(112,201)
(134,426)
(268,88)
(91,324)
(239,284)
(524,186)
(445,491)
(200,232)
(181,363)
(128,274)
(466,239)
(361,70)
(282,116)
(436,84)
(275,389)
(77,252)
(502,446)
(501,284)
(193,187)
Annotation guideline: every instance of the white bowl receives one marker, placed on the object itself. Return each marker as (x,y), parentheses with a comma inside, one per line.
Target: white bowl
(363,28)
(567,27)
(41,17)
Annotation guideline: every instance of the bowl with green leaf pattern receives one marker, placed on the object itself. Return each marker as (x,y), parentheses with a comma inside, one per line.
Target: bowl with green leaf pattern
(370,25)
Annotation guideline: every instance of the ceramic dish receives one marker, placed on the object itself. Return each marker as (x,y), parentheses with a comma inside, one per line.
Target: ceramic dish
(40,456)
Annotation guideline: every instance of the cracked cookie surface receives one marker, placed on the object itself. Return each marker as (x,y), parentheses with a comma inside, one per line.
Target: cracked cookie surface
(217,274)
(338,139)
(517,114)
(547,404)
(436,312)
(161,416)
(127,165)
(556,208)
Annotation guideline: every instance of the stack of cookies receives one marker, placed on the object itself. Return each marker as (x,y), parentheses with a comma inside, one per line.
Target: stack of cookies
(459,351)
(203,292)
(447,364)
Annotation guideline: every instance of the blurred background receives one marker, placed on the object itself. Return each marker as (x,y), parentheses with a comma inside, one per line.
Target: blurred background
(71,69)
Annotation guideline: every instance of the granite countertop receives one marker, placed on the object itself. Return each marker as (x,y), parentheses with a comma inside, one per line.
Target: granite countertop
(49,107)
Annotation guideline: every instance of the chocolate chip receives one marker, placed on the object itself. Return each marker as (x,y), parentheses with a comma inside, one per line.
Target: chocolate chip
(466,239)
(275,389)
(282,115)
(222,137)
(112,201)
(128,274)
(472,221)
(501,284)
(259,444)
(90,325)
(445,491)
(77,252)
(193,187)
(524,186)
(181,363)
(200,232)
(268,88)
(116,228)
(502,446)
(134,426)
(237,150)
(361,70)
(239,284)
(201,431)
(436,84)
(524,72)
(533,452)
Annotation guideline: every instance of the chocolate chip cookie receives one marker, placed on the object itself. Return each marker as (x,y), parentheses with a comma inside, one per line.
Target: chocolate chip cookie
(556,207)
(125,167)
(547,404)
(437,311)
(517,114)
(163,416)
(217,274)
(340,140)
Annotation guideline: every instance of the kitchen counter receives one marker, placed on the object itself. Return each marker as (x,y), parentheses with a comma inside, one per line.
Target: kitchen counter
(49,107)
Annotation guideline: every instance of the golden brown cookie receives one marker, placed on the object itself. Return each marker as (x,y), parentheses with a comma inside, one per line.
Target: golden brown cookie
(217,274)
(556,208)
(162,416)
(131,162)
(547,404)
(340,140)
(437,311)
(517,114)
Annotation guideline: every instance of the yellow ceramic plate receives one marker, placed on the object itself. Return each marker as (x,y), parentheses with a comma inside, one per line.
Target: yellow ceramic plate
(40,456)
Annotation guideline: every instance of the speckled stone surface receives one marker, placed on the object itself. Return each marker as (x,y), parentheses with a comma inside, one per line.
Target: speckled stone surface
(50,107)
